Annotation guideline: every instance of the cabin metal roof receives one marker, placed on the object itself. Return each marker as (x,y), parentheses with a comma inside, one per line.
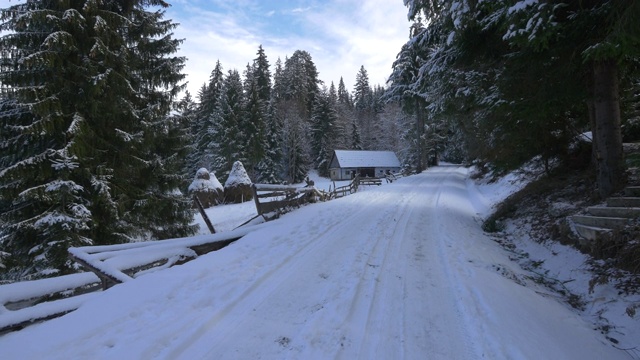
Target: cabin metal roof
(366,158)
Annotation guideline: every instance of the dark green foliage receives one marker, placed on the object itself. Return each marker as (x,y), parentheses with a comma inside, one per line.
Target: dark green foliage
(270,167)
(88,148)
(324,130)
(229,140)
(514,90)
(202,125)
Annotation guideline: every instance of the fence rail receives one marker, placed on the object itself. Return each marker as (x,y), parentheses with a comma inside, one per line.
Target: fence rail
(273,200)
(28,302)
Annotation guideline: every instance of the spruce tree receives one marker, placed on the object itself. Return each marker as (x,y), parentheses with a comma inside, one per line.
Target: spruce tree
(262,76)
(229,139)
(270,167)
(202,127)
(323,131)
(90,84)
(253,126)
(364,109)
(346,116)
(295,89)
(356,143)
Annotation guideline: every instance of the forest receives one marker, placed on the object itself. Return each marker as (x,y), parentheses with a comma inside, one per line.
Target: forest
(99,138)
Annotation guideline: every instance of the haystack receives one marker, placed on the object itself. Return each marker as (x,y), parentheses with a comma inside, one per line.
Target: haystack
(207,188)
(237,188)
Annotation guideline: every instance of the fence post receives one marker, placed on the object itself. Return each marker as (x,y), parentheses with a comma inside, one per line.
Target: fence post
(204,214)
(255,198)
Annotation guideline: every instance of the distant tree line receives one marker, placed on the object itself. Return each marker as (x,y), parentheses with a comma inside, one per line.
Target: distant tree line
(281,124)
(96,147)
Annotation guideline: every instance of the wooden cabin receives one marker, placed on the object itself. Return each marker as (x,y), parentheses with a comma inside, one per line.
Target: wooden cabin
(345,164)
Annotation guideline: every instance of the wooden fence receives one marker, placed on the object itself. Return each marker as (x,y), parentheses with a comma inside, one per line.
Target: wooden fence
(28,302)
(352,187)
(273,200)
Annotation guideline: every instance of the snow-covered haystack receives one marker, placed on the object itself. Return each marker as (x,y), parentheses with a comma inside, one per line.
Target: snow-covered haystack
(237,188)
(207,188)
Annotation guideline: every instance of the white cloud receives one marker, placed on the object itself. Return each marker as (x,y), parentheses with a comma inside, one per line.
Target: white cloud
(340,35)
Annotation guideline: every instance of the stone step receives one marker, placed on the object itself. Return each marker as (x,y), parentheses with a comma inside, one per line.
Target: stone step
(623,202)
(600,222)
(632,191)
(589,233)
(620,212)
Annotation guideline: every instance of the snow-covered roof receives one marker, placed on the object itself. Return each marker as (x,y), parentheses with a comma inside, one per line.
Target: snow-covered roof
(366,158)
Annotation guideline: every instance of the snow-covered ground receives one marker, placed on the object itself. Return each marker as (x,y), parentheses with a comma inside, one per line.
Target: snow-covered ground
(402,270)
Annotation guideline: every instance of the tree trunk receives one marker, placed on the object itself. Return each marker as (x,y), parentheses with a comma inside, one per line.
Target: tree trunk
(420,123)
(607,134)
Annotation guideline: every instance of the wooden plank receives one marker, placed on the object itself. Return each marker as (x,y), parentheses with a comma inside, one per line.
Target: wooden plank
(204,214)
(209,247)
(22,324)
(105,274)
(273,194)
(16,320)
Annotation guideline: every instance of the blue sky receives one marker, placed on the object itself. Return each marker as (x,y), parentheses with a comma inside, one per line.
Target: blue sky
(340,35)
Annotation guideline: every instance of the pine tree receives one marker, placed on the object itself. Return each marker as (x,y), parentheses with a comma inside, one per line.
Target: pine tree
(202,128)
(346,116)
(83,80)
(262,76)
(364,109)
(356,143)
(229,139)
(362,89)
(323,131)
(404,88)
(295,90)
(270,167)
(253,126)
(502,81)
(258,94)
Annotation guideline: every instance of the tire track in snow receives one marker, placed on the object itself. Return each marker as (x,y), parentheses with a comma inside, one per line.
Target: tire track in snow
(246,300)
(321,335)
(379,295)
(449,258)
(370,304)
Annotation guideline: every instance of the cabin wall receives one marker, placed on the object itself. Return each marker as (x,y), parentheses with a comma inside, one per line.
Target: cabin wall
(349,173)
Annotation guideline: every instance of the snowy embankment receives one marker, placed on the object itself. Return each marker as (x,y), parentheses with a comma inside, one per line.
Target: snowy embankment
(397,271)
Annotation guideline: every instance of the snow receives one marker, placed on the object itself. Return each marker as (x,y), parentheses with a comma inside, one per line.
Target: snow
(205,181)
(521,5)
(401,270)
(366,158)
(237,176)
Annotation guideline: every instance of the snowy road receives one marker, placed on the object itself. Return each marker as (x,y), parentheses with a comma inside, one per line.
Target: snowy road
(392,272)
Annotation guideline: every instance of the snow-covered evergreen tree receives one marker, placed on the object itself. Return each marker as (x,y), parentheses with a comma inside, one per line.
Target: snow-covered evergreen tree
(324,130)
(262,76)
(202,135)
(346,116)
(270,167)
(254,127)
(362,98)
(296,87)
(229,140)
(356,143)
(83,82)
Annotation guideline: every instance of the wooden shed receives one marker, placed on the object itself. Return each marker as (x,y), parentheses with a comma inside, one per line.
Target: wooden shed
(345,164)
